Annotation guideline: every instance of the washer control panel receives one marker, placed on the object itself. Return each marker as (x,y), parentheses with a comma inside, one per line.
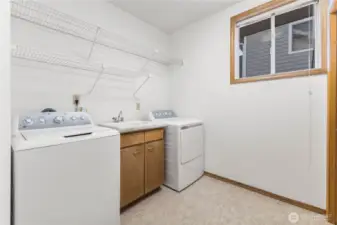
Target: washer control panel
(53,120)
(163,114)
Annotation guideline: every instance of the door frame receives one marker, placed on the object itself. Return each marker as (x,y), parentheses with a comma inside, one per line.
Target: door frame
(332,120)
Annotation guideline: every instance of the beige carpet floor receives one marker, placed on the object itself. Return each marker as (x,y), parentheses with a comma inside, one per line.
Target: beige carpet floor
(212,202)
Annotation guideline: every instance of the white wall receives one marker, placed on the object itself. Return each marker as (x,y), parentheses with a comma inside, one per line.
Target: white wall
(36,86)
(4,114)
(271,134)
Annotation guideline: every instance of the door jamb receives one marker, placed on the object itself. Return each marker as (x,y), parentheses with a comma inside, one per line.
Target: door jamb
(332,120)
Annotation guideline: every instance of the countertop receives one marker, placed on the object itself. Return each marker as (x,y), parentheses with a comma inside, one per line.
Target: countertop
(133,126)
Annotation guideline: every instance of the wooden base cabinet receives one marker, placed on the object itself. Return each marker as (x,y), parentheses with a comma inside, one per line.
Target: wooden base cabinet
(132,173)
(142,164)
(154,165)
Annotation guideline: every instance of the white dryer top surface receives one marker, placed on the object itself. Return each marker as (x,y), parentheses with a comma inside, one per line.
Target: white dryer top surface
(179,121)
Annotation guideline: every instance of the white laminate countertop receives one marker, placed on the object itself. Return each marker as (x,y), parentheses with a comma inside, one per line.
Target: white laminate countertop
(133,126)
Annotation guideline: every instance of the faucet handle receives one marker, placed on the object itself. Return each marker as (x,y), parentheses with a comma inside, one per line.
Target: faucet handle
(114,119)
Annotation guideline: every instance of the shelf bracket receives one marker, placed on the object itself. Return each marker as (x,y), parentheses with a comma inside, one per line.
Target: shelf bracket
(94,43)
(95,83)
(140,87)
(146,79)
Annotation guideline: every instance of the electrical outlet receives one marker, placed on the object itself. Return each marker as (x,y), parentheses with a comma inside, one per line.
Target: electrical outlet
(76,99)
(76,102)
(137,106)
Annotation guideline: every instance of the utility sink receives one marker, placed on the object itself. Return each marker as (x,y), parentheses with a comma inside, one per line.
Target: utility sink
(129,126)
(132,123)
(135,123)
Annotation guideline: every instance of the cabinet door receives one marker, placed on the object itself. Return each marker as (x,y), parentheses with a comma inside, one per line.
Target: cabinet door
(154,165)
(132,173)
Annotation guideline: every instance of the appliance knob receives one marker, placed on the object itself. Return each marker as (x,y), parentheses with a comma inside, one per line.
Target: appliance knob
(73,118)
(58,119)
(82,117)
(42,120)
(28,121)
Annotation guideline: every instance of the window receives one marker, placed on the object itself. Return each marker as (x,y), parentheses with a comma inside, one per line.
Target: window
(301,36)
(255,43)
(279,40)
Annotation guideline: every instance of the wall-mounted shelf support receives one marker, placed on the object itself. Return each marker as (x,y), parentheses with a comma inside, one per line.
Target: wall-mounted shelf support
(34,55)
(140,87)
(93,43)
(96,81)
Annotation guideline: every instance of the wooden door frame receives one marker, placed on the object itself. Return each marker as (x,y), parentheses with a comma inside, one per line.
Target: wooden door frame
(332,120)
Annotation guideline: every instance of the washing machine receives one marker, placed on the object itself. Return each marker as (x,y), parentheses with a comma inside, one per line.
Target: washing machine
(184,149)
(65,171)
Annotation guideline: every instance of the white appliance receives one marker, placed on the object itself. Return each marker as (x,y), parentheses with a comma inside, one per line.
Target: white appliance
(66,171)
(184,149)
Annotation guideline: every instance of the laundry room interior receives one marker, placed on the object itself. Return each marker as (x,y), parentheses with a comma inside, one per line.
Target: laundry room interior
(172,112)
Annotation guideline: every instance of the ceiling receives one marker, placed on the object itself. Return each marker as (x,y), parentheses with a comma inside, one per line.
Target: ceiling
(171,15)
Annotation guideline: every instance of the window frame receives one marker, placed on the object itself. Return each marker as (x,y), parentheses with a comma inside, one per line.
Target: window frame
(262,12)
(290,37)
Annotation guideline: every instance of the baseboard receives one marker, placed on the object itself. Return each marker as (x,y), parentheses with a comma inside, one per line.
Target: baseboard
(269,194)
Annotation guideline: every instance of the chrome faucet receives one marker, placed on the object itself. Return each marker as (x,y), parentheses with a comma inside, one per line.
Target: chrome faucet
(118,119)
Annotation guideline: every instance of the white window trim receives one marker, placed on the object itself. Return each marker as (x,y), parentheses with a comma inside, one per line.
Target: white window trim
(244,58)
(237,53)
(318,37)
(273,46)
(290,36)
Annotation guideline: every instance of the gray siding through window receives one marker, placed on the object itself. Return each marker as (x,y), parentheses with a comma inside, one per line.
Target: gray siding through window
(258,53)
(286,62)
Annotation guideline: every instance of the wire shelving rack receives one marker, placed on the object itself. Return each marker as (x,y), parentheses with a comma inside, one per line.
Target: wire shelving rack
(45,16)
(34,55)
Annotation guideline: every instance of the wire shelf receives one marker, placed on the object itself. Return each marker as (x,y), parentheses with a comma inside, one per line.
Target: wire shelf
(50,18)
(30,54)
(42,15)
(123,73)
(119,43)
(51,59)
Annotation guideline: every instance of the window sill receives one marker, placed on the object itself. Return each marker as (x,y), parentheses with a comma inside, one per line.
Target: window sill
(278,76)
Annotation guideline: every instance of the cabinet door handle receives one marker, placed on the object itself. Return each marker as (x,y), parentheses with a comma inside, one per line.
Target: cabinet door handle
(136,152)
(150,149)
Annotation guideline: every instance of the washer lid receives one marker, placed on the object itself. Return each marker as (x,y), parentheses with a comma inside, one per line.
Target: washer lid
(31,139)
